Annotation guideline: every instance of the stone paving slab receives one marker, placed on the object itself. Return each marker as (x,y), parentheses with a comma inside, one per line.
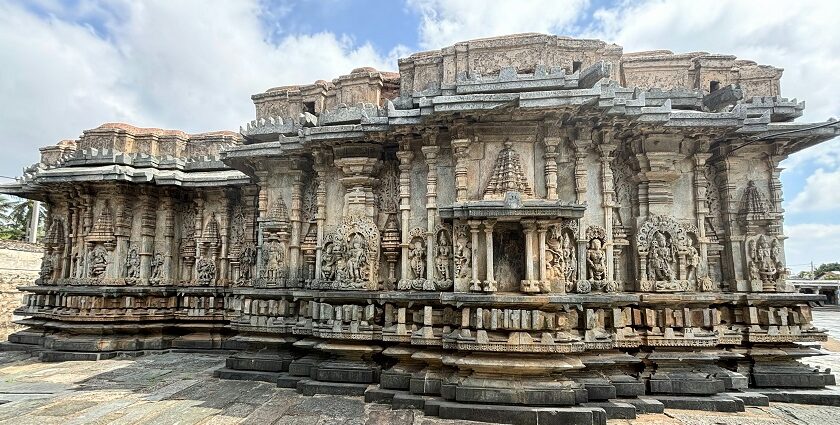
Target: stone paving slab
(180,388)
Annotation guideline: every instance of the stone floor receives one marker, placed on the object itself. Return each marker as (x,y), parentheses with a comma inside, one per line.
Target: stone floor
(179,388)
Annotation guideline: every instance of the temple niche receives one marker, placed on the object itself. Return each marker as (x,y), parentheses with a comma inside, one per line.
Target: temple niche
(532,222)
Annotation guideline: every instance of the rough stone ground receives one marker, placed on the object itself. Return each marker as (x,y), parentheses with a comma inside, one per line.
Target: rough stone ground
(179,388)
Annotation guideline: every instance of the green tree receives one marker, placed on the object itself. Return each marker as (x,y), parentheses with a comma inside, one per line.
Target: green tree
(15,214)
(825,268)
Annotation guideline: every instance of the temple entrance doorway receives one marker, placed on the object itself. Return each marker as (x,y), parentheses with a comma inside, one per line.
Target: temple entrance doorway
(508,256)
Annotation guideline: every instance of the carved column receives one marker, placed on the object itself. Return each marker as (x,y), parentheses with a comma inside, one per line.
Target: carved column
(405,155)
(148,222)
(529,284)
(490,281)
(581,144)
(542,228)
(321,203)
(701,209)
(294,218)
(605,150)
(262,205)
(460,149)
(475,284)
(223,260)
(167,205)
(550,158)
(430,153)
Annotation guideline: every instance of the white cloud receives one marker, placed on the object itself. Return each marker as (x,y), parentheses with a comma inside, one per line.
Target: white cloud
(811,242)
(820,193)
(445,22)
(161,64)
(802,37)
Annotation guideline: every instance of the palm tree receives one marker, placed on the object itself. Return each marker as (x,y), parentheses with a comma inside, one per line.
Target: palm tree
(15,216)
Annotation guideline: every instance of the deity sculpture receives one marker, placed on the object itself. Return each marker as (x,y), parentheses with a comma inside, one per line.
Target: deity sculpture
(98,262)
(206,271)
(444,251)
(246,260)
(661,259)
(568,259)
(156,267)
(328,262)
(692,263)
(463,256)
(417,261)
(595,261)
(357,259)
(132,264)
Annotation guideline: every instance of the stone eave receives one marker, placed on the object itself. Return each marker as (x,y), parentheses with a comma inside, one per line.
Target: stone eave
(533,208)
(122,173)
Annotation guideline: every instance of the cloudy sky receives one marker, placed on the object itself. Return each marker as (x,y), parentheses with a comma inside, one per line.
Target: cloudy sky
(70,65)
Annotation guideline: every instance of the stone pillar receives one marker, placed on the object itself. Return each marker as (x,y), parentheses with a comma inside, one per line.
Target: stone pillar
(701,186)
(475,284)
(460,149)
(550,158)
(321,202)
(262,205)
(148,222)
(168,235)
(542,228)
(490,281)
(605,150)
(405,155)
(430,154)
(294,218)
(223,260)
(581,144)
(529,284)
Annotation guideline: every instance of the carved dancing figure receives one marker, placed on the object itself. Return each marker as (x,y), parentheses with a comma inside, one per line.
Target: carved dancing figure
(328,263)
(157,267)
(692,263)
(132,264)
(442,258)
(568,259)
(418,260)
(595,261)
(463,257)
(766,264)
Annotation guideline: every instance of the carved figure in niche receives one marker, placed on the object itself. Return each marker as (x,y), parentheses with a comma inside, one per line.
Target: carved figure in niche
(417,262)
(444,251)
(247,258)
(463,254)
(206,271)
(351,256)
(156,267)
(328,262)
(357,261)
(98,262)
(595,261)
(132,264)
(273,268)
(661,258)
(765,263)
(569,259)
(692,262)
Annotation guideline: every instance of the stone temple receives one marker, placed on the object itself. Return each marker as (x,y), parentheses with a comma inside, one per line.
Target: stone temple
(516,229)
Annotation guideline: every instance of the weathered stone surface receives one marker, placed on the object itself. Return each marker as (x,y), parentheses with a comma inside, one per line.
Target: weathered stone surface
(529,222)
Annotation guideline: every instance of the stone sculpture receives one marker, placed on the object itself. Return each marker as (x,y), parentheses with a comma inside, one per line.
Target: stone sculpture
(523,222)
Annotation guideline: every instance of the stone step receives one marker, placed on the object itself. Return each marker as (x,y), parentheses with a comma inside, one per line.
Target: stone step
(246,375)
(718,403)
(824,397)
(616,409)
(522,415)
(645,405)
(751,398)
(285,380)
(312,387)
(379,395)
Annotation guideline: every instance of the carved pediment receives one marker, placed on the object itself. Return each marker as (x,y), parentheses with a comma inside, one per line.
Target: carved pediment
(507,175)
